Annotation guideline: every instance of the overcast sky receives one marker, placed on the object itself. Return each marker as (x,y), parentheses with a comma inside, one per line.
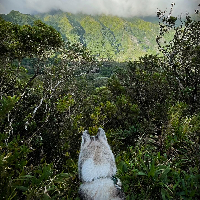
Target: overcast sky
(122,8)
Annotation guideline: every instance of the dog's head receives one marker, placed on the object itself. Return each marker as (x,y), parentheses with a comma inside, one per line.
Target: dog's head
(99,139)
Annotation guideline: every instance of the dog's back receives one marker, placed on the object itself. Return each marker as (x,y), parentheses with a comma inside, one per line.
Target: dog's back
(97,168)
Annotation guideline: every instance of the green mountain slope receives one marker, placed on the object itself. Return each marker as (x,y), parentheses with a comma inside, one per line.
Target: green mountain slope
(18,18)
(108,37)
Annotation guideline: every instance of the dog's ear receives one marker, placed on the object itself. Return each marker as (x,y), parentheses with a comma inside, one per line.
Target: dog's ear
(85,137)
(101,134)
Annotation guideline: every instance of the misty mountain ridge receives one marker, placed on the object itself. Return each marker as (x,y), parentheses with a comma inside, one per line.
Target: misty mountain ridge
(108,37)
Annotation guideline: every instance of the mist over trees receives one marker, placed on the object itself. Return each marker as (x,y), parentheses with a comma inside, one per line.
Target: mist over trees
(52,90)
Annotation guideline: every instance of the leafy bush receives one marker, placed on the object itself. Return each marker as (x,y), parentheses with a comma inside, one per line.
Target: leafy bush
(165,166)
(148,108)
(13,161)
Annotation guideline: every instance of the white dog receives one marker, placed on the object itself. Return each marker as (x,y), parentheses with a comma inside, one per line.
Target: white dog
(97,169)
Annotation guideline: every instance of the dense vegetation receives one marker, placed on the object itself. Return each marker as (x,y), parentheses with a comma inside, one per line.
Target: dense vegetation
(52,90)
(108,37)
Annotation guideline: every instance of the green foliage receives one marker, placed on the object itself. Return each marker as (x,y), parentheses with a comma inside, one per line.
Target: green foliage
(18,18)
(65,103)
(164,166)
(146,85)
(40,105)
(7,104)
(43,183)
(13,161)
(107,37)
(181,55)
(51,91)
(18,42)
(19,179)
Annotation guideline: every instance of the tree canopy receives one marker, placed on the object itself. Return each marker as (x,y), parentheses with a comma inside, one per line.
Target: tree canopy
(52,90)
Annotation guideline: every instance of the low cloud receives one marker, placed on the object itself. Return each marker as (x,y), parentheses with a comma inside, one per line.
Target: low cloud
(122,8)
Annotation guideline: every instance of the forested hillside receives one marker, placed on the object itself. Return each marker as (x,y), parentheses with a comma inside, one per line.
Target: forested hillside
(108,37)
(51,90)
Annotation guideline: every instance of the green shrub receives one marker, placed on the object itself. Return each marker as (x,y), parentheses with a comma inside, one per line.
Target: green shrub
(165,166)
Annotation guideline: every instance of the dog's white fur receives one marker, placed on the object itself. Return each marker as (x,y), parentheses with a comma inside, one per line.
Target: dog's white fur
(100,189)
(96,168)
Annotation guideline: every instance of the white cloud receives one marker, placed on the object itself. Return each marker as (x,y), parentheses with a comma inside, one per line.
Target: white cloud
(2,8)
(123,8)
